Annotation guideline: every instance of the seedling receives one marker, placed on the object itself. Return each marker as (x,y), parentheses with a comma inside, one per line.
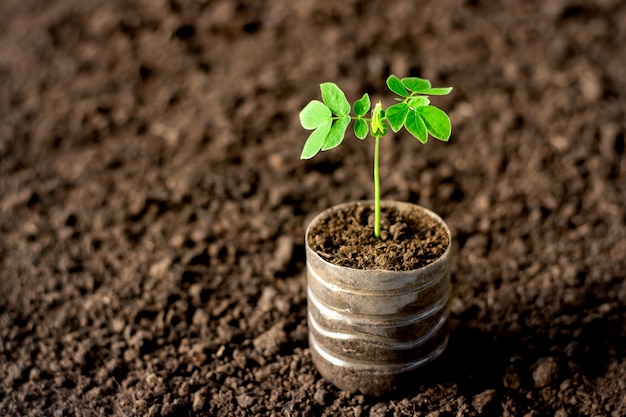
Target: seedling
(329,119)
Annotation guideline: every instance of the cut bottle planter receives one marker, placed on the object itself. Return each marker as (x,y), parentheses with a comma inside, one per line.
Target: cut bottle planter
(370,329)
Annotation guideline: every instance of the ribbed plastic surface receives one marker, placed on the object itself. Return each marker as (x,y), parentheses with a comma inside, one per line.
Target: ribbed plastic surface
(369,329)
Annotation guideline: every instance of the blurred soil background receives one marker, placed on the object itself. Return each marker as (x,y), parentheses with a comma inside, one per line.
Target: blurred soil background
(153,204)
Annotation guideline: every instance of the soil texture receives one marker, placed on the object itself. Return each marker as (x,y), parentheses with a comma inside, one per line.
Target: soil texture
(409,239)
(153,204)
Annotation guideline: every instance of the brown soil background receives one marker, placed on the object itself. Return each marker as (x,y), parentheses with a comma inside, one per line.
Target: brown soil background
(152,203)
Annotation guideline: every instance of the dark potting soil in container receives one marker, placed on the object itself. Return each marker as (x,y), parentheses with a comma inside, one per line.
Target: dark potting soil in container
(409,239)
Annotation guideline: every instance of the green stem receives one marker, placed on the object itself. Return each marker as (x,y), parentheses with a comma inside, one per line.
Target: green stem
(376,191)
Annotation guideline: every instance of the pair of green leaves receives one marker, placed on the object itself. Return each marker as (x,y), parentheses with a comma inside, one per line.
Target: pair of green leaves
(329,119)
(414,111)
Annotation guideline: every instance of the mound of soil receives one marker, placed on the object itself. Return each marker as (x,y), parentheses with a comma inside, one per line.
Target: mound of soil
(153,206)
(409,238)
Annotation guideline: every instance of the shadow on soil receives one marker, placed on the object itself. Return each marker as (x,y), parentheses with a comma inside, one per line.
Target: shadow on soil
(476,360)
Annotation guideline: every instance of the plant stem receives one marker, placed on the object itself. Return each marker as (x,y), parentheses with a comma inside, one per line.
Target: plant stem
(376,191)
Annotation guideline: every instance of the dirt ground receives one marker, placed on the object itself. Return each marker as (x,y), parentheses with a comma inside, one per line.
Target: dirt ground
(153,204)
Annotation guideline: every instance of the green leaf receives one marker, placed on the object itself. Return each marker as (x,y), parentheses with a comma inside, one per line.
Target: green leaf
(415,84)
(442,91)
(396,86)
(336,134)
(437,122)
(314,114)
(361,129)
(396,115)
(315,141)
(418,101)
(362,105)
(335,99)
(415,125)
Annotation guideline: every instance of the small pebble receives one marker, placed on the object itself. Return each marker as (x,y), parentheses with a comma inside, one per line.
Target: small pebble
(543,374)
(198,401)
(320,396)
(482,401)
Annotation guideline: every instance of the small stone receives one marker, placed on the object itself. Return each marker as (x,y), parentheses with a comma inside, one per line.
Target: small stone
(590,85)
(195,292)
(482,401)
(543,374)
(177,240)
(159,268)
(198,401)
(117,325)
(320,396)
(379,410)
(225,333)
(276,162)
(34,374)
(270,342)
(398,230)
(244,400)
(153,380)
(136,203)
(130,355)
(200,317)
(59,380)
(265,302)
(240,358)
(282,254)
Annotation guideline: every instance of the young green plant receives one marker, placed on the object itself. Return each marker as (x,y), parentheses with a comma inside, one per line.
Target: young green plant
(329,119)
